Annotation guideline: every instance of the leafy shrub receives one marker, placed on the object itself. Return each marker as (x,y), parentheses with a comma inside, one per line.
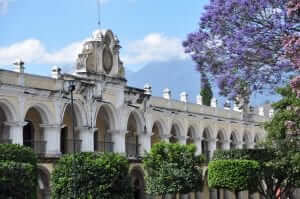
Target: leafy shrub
(91,175)
(172,168)
(234,175)
(17,180)
(18,172)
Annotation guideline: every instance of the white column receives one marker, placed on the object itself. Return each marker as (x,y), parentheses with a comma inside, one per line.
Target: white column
(145,141)
(86,135)
(251,145)
(118,137)
(226,144)
(212,146)
(52,138)
(181,139)
(16,131)
(198,143)
(239,145)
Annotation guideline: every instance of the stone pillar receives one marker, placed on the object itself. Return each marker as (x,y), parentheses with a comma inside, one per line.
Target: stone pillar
(184,97)
(239,145)
(251,145)
(199,100)
(52,138)
(16,131)
(212,146)
(86,135)
(181,139)
(198,143)
(145,141)
(118,137)
(226,144)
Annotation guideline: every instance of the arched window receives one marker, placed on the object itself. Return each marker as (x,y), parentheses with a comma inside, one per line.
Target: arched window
(132,137)
(156,132)
(205,144)
(174,133)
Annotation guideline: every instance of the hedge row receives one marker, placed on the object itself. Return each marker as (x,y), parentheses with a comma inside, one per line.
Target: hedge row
(234,175)
(260,155)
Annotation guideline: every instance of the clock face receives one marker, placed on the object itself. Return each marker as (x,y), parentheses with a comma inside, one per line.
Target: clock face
(107,60)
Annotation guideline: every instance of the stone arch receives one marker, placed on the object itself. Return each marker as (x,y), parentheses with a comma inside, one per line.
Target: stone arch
(256,140)
(71,143)
(174,133)
(246,140)
(33,133)
(157,132)
(79,113)
(111,112)
(105,123)
(221,139)
(191,135)
(233,140)
(206,138)
(138,183)
(7,115)
(45,114)
(43,191)
(132,138)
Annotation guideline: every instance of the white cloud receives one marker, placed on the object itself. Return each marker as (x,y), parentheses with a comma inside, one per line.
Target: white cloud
(33,51)
(154,47)
(4,6)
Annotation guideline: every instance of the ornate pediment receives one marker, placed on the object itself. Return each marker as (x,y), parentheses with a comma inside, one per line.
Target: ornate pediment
(100,55)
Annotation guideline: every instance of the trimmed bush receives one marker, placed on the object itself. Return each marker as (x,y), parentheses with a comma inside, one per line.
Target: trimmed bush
(172,168)
(17,153)
(234,175)
(91,175)
(17,180)
(18,172)
(260,155)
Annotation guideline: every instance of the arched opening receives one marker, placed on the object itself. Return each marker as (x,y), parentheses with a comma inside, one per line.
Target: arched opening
(156,132)
(138,184)
(233,141)
(68,142)
(175,132)
(102,137)
(256,141)
(205,144)
(43,191)
(220,141)
(191,136)
(33,135)
(245,141)
(4,130)
(132,137)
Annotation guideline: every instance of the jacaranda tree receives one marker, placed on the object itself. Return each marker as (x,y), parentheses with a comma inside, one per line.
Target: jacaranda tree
(240,45)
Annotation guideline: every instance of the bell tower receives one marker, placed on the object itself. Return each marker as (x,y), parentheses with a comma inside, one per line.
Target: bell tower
(100,55)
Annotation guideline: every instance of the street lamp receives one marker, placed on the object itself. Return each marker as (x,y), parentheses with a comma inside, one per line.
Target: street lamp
(69,86)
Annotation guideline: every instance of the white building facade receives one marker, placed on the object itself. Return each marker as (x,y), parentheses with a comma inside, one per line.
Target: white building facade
(109,115)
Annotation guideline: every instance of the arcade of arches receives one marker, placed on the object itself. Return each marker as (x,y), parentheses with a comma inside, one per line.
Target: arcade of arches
(110,116)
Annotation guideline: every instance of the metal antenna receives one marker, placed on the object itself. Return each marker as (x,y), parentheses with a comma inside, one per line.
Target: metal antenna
(99,13)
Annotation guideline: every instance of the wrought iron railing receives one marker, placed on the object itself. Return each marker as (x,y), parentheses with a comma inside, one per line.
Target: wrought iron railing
(7,141)
(38,146)
(132,150)
(104,146)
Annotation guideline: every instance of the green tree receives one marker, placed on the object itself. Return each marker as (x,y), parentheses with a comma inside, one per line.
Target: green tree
(279,168)
(172,168)
(206,91)
(234,175)
(91,176)
(18,172)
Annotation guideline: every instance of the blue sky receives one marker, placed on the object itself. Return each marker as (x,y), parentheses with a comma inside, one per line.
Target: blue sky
(50,32)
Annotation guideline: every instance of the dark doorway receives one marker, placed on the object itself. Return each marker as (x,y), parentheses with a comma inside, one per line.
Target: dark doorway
(28,134)
(63,140)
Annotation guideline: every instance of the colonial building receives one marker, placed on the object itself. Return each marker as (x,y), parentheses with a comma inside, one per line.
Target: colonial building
(110,116)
